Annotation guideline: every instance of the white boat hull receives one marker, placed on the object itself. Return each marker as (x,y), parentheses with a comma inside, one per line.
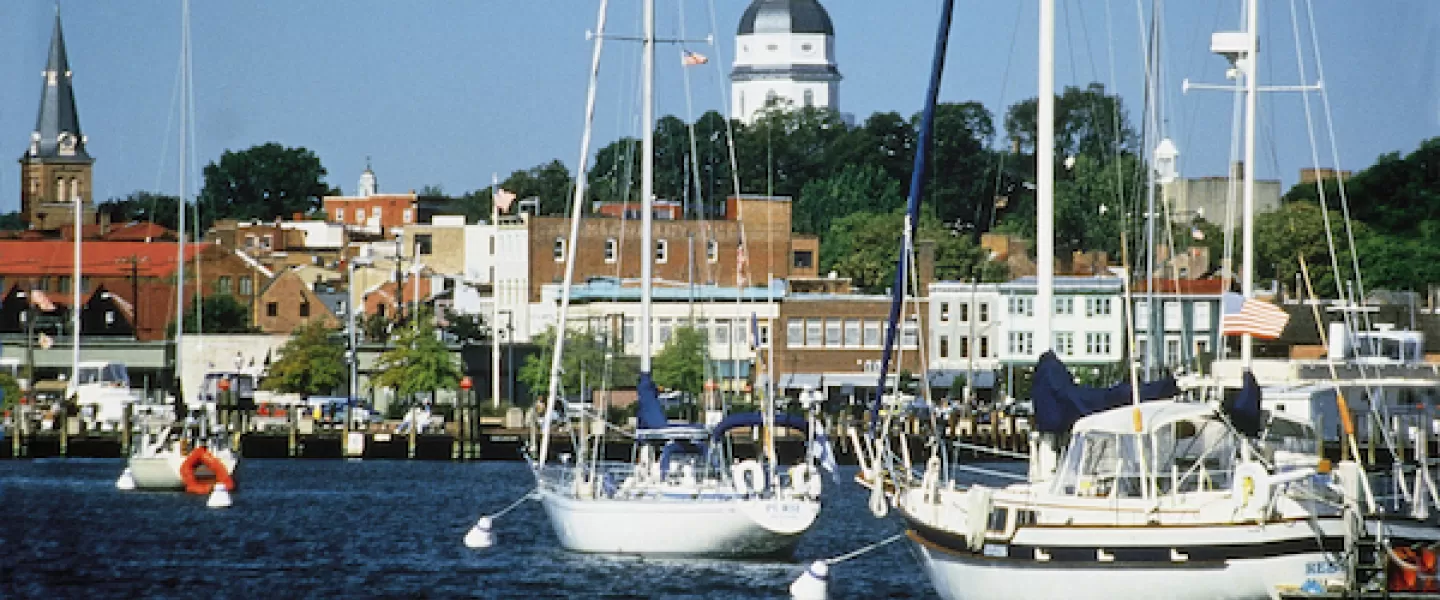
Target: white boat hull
(720,528)
(161,471)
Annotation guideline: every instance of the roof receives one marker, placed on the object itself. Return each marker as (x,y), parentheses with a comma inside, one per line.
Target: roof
(603,289)
(57,108)
(1152,414)
(139,232)
(785,16)
(98,259)
(1067,283)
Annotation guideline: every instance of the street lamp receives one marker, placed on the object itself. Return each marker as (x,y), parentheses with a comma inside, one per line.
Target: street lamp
(353,357)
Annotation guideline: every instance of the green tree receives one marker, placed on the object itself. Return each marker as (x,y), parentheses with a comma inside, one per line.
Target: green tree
(9,390)
(550,182)
(584,354)
(419,362)
(375,327)
(864,246)
(1298,229)
(465,328)
(12,221)
(680,365)
(140,206)
(855,188)
(310,363)
(263,182)
(222,313)
(1087,121)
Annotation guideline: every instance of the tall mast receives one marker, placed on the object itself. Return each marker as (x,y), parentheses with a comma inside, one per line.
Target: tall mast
(1251,70)
(1045,181)
(184,191)
(647,182)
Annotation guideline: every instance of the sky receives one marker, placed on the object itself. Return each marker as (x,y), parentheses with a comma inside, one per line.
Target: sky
(448,92)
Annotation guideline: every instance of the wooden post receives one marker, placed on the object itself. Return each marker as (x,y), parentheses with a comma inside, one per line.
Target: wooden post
(294,430)
(62,420)
(1374,433)
(17,429)
(414,425)
(125,430)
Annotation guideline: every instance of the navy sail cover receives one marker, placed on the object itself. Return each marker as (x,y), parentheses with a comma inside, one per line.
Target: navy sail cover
(1244,408)
(649,413)
(1060,402)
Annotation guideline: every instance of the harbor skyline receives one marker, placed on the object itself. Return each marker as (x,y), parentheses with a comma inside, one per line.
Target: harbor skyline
(448,94)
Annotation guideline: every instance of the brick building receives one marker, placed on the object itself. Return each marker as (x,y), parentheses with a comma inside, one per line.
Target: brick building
(378,214)
(289,301)
(55,170)
(829,341)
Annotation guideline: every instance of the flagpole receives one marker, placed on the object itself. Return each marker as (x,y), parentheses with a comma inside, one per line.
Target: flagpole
(495,293)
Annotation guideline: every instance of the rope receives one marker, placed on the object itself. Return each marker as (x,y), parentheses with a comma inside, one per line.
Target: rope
(996,451)
(531,495)
(991,472)
(864,550)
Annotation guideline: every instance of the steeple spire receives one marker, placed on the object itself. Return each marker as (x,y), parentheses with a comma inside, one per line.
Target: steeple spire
(57,129)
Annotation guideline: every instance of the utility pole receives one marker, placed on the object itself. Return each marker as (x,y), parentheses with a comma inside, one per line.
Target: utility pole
(134,261)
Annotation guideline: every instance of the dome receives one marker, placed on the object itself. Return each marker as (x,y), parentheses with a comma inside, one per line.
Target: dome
(785,16)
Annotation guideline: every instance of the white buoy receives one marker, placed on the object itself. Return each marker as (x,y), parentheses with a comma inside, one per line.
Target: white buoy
(480,535)
(219,497)
(126,481)
(813,584)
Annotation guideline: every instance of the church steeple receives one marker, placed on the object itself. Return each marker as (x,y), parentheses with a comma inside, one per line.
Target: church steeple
(57,128)
(55,170)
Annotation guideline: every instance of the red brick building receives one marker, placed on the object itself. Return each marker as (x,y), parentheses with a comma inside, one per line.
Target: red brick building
(378,214)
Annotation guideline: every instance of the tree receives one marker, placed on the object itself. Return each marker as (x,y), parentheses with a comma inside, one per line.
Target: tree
(12,221)
(222,313)
(1296,230)
(584,354)
(375,327)
(263,182)
(680,365)
(550,182)
(1087,121)
(864,247)
(419,362)
(309,362)
(9,390)
(856,188)
(141,206)
(465,328)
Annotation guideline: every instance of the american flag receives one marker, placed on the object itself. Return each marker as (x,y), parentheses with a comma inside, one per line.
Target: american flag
(740,264)
(41,300)
(691,59)
(503,198)
(1256,317)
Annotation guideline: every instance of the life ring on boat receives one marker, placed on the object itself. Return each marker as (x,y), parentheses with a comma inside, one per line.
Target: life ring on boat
(1251,488)
(805,479)
(193,483)
(749,477)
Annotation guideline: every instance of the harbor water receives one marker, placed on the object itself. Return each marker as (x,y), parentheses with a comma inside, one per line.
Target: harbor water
(375,529)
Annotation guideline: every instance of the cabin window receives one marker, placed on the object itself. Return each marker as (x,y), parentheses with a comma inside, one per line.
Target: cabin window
(1104,465)
(998,516)
(1194,456)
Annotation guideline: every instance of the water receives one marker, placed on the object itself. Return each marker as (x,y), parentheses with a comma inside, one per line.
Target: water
(377,528)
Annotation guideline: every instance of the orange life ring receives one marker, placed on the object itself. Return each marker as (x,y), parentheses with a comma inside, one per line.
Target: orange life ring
(196,485)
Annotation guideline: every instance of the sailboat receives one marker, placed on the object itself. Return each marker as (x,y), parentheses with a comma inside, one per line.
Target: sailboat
(679,494)
(193,453)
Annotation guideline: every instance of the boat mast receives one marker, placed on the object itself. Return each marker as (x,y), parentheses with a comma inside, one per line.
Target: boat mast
(180,246)
(577,203)
(647,182)
(1251,69)
(1045,181)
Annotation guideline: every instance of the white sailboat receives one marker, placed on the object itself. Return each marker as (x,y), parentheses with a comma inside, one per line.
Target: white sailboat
(1160,499)
(193,453)
(680,494)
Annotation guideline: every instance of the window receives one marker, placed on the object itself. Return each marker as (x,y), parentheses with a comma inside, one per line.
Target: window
(662,251)
(984,347)
(964,346)
(1202,346)
(424,244)
(664,335)
(1172,315)
(408,215)
(64,284)
(360,216)
(1172,352)
(1065,343)
(1142,316)
(272,309)
(804,259)
(109,317)
(712,251)
(1201,315)
(765,335)
(611,246)
(1097,343)
(247,286)
(809,97)
(944,346)
(944,312)
(339,215)
(983,312)
(304,309)
(794,333)
(628,331)
(222,285)
(740,331)
(267,242)
(910,334)
(1097,307)
(721,331)
(1065,306)
(1022,343)
(1022,305)
(833,328)
(852,333)
(812,332)
(872,334)
(559,249)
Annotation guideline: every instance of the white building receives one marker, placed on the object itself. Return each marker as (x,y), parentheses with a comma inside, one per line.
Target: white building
(784,54)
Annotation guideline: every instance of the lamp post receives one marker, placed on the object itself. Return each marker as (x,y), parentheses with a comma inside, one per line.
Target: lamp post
(353,357)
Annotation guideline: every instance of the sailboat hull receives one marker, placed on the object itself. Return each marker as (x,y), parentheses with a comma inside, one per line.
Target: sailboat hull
(161,471)
(736,528)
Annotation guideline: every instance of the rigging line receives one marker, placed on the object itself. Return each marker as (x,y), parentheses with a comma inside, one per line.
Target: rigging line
(1315,158)
(694,162)
(1335,152)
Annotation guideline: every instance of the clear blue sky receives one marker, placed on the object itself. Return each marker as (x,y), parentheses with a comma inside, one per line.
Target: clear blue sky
(447,92)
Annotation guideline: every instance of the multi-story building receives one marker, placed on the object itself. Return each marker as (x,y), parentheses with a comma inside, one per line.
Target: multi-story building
(1187,322)
(832,343)
(370,212)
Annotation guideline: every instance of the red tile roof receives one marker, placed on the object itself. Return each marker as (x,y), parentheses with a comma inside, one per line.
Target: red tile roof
(139,232)
(98,259)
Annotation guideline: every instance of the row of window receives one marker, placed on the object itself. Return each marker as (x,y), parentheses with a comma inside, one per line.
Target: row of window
(717,331)
(406,216)
(272,309)
(223,285)
(1022,343)
(662,250)
(845,333)
(1023,306)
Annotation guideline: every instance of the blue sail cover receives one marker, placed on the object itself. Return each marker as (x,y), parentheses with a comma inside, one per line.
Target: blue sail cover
(649,413)
(1245,408)
(1060,402)
(752,419)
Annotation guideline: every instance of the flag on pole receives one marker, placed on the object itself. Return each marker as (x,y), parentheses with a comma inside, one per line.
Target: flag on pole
(1256,317)
(691,59)
(740,264)
(41,300)
(503,198)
